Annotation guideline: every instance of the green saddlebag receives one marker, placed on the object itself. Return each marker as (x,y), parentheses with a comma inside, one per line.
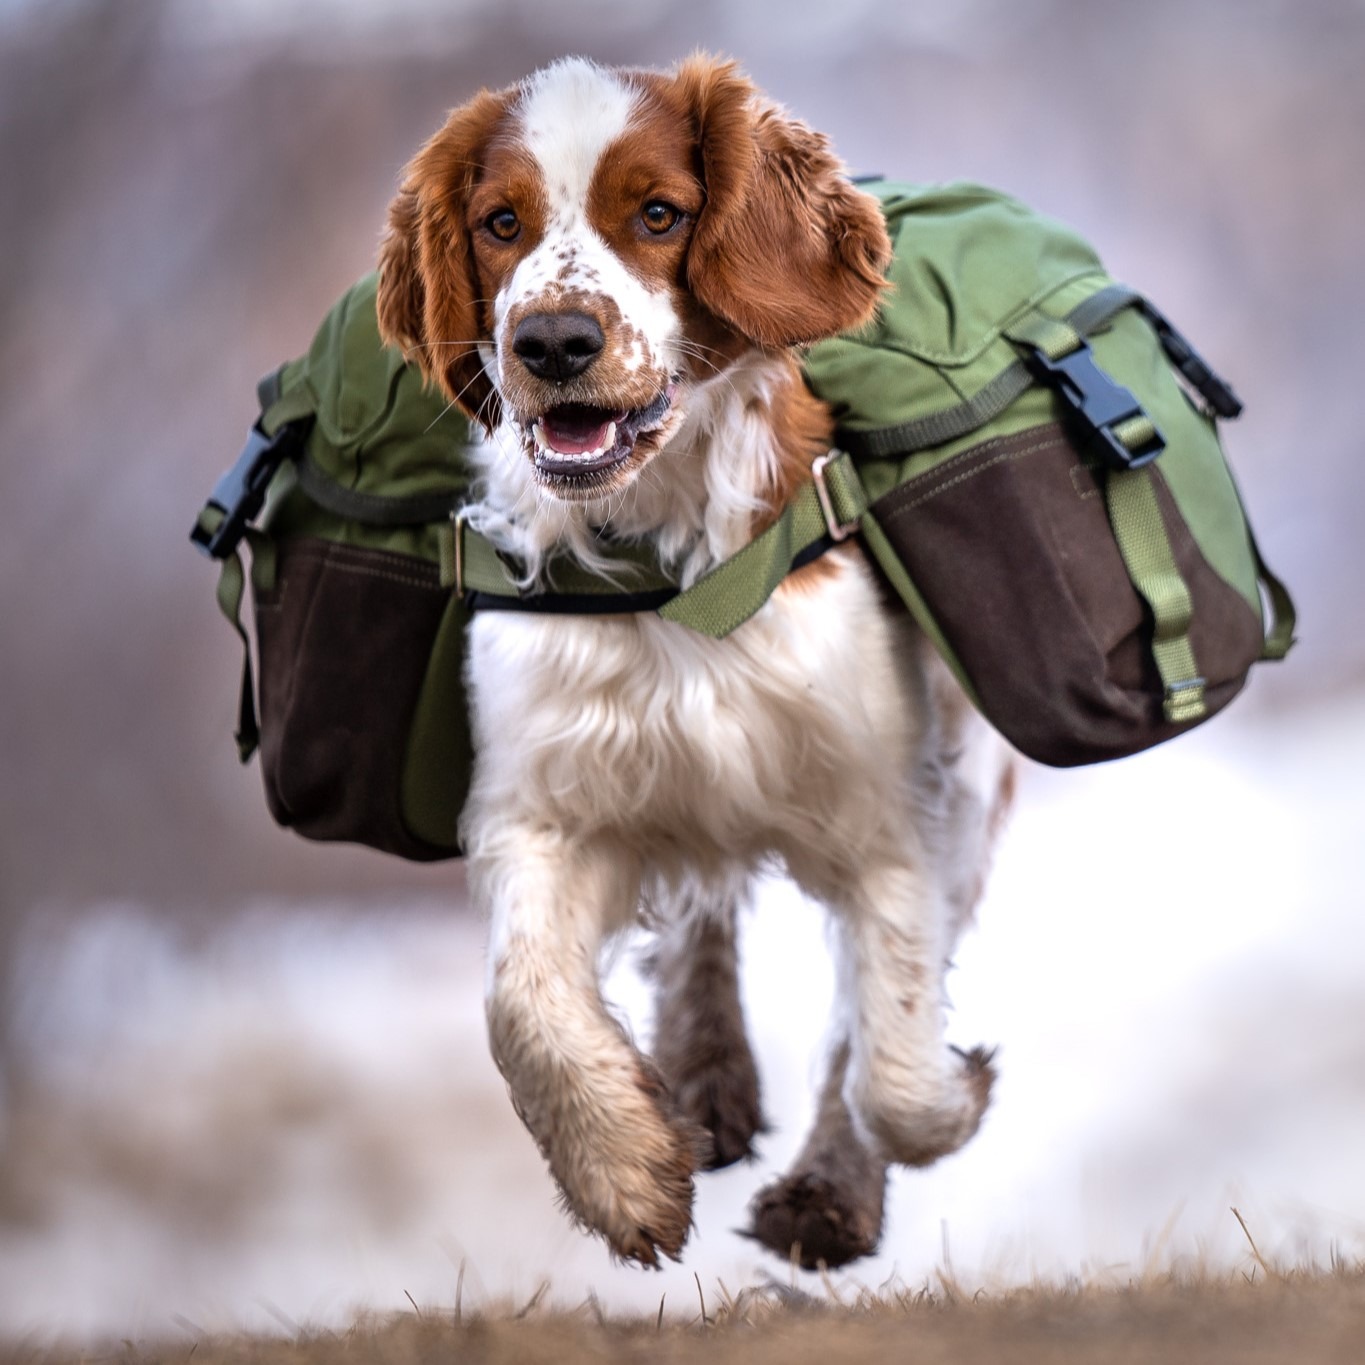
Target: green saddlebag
(1046,489)
(363,729)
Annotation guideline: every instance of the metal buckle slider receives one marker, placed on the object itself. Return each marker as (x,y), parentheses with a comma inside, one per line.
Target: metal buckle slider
(457,524)
(1096,402)
(838,530)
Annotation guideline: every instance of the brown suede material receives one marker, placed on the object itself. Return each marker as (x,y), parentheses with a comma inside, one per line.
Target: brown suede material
(345,637)
(1010,545)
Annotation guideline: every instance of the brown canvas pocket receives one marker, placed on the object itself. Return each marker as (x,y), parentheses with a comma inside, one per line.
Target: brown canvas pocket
(346,637)
(1011,547)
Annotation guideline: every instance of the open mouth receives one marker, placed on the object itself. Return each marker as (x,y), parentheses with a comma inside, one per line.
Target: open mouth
(576,441)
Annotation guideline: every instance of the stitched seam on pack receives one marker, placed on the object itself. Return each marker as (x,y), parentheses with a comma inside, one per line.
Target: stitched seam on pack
(1058,437)
(966,475)
(333,555)
(1092,492)
(367,572)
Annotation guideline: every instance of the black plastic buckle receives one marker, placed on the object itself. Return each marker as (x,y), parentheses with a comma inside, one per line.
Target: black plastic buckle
(1213,389)
(1097,403)
(240,491)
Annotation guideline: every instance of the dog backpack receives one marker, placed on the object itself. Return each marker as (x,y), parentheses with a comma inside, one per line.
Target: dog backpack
(1044,483)
(1026,448)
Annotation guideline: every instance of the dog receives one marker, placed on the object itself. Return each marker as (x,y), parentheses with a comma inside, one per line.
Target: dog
(612,272)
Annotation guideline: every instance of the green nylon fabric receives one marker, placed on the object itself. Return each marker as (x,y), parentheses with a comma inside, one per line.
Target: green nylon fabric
(378,428)
(969,262)
(440,751)
(974,268)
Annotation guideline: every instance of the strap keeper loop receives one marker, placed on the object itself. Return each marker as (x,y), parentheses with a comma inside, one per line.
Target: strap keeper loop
(1184,700)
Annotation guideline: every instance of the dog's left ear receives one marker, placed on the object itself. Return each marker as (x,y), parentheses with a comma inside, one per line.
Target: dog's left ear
(786,250)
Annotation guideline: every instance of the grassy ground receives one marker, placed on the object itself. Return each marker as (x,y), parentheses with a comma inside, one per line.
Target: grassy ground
(1261,1317)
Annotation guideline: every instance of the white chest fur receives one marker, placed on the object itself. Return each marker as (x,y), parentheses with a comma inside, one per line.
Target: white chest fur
(794,729)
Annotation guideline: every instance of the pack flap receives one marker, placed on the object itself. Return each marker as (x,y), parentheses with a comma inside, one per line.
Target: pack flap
(378,430)
(969,262)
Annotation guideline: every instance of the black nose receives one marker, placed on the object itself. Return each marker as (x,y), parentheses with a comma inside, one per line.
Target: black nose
(557,345)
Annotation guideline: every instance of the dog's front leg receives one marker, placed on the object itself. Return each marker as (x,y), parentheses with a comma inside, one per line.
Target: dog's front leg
(595,1106)
(918,1097)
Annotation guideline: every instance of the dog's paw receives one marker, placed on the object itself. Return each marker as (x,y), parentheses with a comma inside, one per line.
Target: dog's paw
(632,1185)
(915,1133)
(807,1216)
(721,1097)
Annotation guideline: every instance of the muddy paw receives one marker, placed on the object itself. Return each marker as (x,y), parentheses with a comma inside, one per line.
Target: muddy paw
(642,1211)
(632,1183)
(809,1213)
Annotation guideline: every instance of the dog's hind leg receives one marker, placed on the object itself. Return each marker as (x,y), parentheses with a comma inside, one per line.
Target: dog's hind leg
(918,1098)
(828,1207)
(700,1043)
(598,1110)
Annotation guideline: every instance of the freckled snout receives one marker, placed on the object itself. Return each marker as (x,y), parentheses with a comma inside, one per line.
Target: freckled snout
(557,346)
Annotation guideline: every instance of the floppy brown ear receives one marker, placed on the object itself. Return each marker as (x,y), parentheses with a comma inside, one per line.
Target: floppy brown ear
(786,249)
(401,300)
(429,296)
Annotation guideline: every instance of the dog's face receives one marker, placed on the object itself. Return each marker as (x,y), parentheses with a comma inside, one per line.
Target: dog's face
(573,255)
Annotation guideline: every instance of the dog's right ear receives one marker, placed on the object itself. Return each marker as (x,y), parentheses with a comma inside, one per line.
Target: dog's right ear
(401,301)
(429,301)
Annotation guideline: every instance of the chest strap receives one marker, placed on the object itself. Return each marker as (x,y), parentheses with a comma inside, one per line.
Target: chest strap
(825,511)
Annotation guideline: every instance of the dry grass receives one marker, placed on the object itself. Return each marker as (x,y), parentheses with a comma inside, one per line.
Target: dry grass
(1263,1315)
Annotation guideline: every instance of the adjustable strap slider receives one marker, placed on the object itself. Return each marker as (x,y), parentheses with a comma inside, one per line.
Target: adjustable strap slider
(1098,404)
(824,472)
(240,491)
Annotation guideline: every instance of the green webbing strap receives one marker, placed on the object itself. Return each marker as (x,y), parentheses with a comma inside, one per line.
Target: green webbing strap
(1141,535)
(1280,637)
(937,428)
(479,568)
(373,509)
(733,591)
(716,603)
(285,397)
(1102,305)
(894,567)
(1146,549)
(1136,432)
(231,585)
(231,589)
(1050,335)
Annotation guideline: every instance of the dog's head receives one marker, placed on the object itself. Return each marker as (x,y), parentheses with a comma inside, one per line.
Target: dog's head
(577,252)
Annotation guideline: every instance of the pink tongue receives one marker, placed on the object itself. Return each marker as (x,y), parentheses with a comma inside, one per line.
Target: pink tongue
(572,431)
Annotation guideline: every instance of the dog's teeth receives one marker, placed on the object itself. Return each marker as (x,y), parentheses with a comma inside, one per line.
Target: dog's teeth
(543,443)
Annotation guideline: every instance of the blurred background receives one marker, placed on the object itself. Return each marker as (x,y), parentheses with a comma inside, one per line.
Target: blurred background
(243,1079)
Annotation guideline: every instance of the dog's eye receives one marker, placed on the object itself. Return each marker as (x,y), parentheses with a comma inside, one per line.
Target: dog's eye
(659,217)
(504,225)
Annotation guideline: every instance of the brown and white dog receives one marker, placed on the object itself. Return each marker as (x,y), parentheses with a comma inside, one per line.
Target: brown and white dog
(611,270)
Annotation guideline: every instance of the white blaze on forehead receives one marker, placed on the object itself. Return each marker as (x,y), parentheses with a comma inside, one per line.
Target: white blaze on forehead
(570,113)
